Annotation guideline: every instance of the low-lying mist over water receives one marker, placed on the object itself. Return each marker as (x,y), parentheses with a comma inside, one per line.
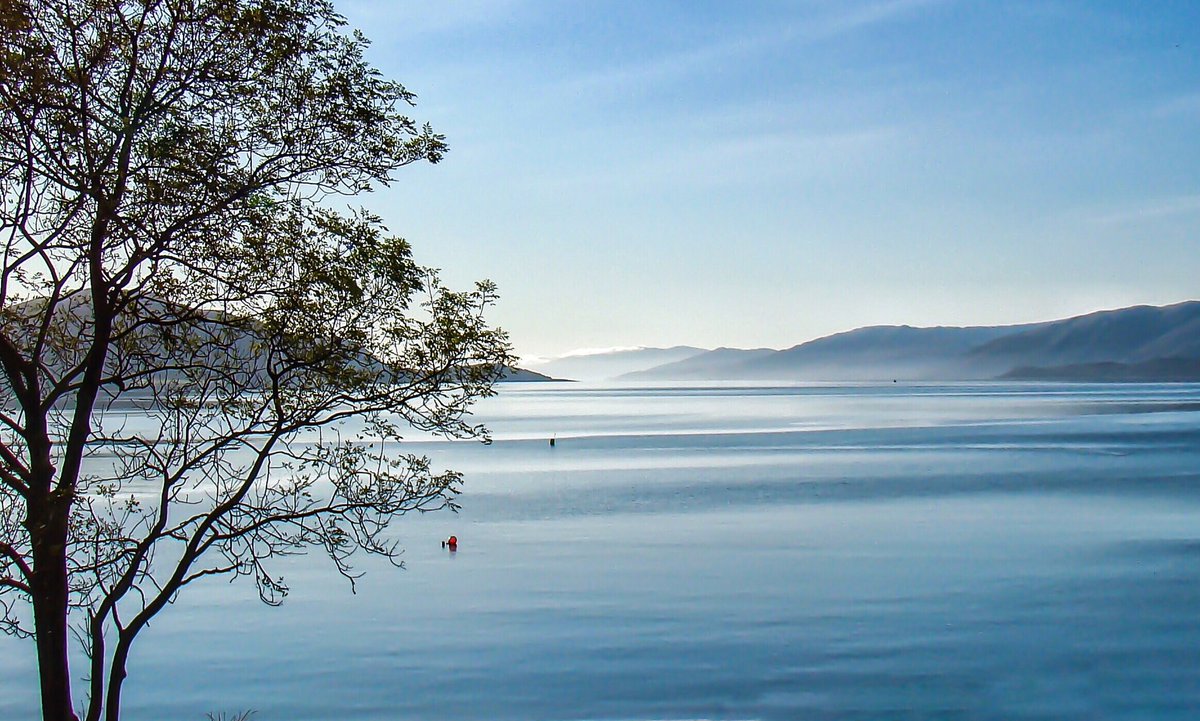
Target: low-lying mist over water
(738,551)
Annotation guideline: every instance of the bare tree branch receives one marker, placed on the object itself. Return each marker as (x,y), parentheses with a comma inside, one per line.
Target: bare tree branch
(204,368)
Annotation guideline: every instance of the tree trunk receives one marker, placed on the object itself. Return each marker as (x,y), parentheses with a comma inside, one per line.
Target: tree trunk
(48,533)
(112,700)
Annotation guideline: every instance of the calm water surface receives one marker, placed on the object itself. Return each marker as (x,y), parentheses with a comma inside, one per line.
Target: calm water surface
(994,551)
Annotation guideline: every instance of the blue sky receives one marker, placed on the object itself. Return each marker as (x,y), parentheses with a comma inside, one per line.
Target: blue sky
(762,173)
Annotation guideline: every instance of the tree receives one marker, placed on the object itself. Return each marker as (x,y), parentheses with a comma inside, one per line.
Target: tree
(171,253)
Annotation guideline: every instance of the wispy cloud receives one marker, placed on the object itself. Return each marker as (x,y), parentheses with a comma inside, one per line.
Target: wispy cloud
(754,156)
(1186,104)
(855,17)
(1150,210)
(836,20)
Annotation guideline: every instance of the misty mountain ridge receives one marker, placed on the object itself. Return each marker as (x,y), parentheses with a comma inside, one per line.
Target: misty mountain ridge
(1142,343)
(702,365)
(609,364)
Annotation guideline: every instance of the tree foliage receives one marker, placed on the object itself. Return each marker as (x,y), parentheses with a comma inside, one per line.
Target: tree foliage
(203,365)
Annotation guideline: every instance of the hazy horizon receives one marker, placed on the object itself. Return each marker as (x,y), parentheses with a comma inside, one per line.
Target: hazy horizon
(756,176)
(601,351)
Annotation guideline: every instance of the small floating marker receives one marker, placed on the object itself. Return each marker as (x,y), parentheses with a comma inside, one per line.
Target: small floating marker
(551,441)
(451,543)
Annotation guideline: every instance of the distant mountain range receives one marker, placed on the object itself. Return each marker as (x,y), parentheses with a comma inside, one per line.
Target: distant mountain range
(606,365)
(1142,343)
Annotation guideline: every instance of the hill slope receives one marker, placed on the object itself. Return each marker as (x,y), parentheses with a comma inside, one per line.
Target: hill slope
(1141,342)
(523,375)
(1160,370)
(1129,335)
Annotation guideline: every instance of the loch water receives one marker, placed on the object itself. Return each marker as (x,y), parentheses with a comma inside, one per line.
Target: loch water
(733,551)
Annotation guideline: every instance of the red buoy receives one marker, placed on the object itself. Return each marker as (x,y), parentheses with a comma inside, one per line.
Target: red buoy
(451,543)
